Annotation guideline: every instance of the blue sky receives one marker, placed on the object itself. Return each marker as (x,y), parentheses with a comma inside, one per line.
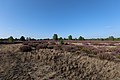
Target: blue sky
(43,18)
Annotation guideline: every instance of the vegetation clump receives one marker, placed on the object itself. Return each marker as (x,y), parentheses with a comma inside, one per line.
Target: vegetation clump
(50,46)
(105,56)
(25,43)
(70,37)
(22,38)
(42,46)
(32,44)
(55,37)
(61,42)
(10,39)
(25,48)
(81,38)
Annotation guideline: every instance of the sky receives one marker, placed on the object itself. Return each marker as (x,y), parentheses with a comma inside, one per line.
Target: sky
(43,18)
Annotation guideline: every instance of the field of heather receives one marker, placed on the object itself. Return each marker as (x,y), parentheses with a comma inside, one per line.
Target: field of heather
(49,60)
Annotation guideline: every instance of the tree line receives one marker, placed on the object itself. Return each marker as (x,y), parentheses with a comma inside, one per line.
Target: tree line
(56,37)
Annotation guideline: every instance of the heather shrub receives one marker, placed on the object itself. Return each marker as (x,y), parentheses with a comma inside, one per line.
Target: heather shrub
(25,43)
(95,43)
(90,50)
(86,49)
(85,43)
(67,48)
(50,46)
(25,48)
(52,43)
(43,41)
(118,56)
(33,44)
(105,56)
(57,47)
(117,50)
(70,48)
(41,46)
(111,44)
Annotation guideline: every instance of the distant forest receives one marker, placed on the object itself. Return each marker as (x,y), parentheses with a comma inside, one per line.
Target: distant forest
(11,39)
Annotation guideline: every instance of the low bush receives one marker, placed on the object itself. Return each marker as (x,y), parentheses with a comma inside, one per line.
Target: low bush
(111,44)
(25,48)
(25,43)
(105,56)
(41,46)
(91,50)
(57,47)
(70,48)
(52,43)
(118,56)
(33,44)
(67,48)
(117,51)
(50,46)
(61,42)
(87,49)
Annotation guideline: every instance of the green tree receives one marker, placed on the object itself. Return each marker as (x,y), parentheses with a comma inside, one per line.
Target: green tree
(111,38)
(10,39)
(22,38)
(28,38)
(70,37)
(55,37)
(60,38)
(81,38)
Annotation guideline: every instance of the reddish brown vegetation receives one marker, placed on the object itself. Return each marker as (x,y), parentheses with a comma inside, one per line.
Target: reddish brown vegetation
(87,47)
(25,48)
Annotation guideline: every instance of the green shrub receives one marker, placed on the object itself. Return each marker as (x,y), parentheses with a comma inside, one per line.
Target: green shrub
(10,39)
(61,42)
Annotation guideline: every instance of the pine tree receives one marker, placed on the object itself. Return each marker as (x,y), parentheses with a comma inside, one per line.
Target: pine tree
(81,38)
(55,37)
(22,38)
(70,37)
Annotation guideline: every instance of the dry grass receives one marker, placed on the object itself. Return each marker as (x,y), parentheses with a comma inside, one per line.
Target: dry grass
(46,64)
